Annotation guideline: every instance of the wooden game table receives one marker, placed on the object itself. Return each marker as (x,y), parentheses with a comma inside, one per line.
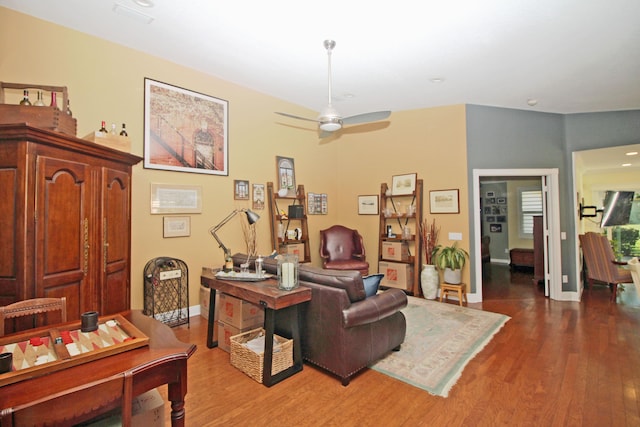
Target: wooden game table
(80,393)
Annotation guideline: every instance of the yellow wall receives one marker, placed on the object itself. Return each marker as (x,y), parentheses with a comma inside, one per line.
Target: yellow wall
(106,82)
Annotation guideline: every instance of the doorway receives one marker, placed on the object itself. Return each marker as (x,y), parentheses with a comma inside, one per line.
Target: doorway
(551,226)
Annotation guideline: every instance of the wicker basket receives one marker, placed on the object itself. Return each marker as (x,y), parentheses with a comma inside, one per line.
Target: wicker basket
(251,362)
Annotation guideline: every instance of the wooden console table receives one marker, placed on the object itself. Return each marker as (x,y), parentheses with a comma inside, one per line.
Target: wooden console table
(82,392)
(521,257)
(267,295)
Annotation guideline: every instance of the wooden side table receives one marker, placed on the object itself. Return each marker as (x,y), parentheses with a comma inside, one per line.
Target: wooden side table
(460,289)
(267,295)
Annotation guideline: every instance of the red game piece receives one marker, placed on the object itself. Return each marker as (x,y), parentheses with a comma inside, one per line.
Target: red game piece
(35,341)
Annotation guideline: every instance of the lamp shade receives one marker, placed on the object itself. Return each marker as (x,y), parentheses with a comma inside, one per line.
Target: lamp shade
(252,217)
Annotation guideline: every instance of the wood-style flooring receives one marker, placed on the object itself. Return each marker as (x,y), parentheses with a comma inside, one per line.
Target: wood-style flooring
(553,364)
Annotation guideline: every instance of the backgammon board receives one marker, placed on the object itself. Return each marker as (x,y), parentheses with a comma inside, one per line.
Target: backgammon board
(60,347)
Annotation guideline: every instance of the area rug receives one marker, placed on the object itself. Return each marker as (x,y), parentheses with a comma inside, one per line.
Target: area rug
(441,339)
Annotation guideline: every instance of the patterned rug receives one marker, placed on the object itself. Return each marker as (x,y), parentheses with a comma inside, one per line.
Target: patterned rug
(441,339)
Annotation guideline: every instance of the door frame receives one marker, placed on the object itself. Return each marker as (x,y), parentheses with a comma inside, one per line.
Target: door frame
(553,274)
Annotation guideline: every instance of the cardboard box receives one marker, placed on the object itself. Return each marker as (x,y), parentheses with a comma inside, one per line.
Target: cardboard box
(396,275)
(238,313)
(395,251)
(296,249)
(122,143)
(147,410)
(225,332)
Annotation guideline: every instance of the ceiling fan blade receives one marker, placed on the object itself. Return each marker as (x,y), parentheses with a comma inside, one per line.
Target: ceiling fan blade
(366,117)
(296,117)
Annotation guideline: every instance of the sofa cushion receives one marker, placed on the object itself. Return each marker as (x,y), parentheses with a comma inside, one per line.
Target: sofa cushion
(371,284)
(349,280)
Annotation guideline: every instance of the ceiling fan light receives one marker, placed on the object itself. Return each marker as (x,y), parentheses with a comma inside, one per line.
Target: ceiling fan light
(331,126)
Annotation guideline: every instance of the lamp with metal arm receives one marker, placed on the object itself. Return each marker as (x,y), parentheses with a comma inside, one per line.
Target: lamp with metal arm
(252,218)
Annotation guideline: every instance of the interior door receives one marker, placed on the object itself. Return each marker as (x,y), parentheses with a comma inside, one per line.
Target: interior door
(63,232)
(545,235)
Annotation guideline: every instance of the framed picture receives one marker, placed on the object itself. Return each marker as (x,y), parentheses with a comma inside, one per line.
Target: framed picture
(491,194)
(184,131)
(495,228)
(176,226)
(170,198)
(240,189)
(258,196)
(501,218)
(403,184)
(501,200)
(490,218)
(444,201)
(286,175)
(491,201)
(368,205)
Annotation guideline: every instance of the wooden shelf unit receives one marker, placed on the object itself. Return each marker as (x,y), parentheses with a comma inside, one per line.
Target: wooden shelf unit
(277,204)
(399,219)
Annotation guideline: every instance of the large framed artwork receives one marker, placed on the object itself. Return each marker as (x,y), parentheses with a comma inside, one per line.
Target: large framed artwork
(184,131)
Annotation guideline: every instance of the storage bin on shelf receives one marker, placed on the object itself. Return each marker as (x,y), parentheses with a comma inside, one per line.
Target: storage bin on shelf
(251,363)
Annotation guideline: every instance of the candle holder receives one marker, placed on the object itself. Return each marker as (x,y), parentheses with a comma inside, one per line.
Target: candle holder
(287,272)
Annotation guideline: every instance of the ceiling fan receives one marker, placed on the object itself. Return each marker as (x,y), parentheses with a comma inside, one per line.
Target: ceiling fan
(329,120)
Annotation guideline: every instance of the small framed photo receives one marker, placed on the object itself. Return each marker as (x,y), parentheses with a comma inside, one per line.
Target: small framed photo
(403,184)
(258,196)
(176,226)
(368,205)
(491,218)
(444,201)
(495,228)
(240,189)
(491,201)
(491,194)
(501,218)
(501,200)
(286,175)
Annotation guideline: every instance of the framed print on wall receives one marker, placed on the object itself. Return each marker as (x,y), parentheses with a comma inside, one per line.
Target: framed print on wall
(444,201)
(286,175)
(176,226)
(240,189)
(173,198)
(258,196)
(403,184)
(184,131)
(368,205)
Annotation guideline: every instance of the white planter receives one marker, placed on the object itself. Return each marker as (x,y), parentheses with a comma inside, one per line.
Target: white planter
(453,277)
(429,281)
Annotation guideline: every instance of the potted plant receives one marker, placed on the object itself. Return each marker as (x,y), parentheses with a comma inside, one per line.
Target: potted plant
(429,278)
(451,259)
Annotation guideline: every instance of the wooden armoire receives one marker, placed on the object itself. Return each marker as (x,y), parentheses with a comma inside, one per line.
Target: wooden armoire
(65,220)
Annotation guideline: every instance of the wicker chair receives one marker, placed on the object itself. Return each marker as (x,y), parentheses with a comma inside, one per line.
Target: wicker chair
(33,307)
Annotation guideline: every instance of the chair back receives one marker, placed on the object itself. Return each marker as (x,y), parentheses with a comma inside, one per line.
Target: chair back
(339,243)
(600,260)
(634,268)
(33,307)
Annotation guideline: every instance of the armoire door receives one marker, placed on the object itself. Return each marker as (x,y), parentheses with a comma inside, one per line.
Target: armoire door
(113,289)
(63,230)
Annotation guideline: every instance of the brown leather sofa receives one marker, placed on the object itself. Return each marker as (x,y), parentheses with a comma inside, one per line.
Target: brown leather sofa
(343,331)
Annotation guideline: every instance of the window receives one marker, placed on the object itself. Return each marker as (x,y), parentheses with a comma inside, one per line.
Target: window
(529,205)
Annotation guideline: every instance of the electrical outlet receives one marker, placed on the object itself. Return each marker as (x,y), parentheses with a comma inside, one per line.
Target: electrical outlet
(506,251)
(455,236)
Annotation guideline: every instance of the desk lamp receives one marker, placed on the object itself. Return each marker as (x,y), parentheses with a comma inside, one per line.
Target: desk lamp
(252,218)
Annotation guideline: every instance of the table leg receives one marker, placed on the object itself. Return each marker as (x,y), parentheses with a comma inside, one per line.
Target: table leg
(269,326)
(211,321)
(176,393)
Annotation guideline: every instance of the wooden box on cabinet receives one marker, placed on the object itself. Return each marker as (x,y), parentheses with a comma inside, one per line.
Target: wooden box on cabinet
(66,228)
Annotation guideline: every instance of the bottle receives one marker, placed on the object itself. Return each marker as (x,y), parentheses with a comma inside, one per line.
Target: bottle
(113,129)
(54,102)
(228,263)
(25,100)
(103,129)
(39,102)
(68,109)
(123,132)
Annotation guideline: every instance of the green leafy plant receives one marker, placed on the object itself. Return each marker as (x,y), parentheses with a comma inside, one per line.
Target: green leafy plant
(451,257)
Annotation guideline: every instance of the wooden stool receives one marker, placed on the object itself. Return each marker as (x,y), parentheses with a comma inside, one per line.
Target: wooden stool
(460,289)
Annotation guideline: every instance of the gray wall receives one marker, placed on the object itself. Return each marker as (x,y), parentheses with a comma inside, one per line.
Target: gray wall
(499,138)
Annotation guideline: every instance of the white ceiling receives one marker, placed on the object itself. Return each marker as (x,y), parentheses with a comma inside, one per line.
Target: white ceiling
(570,55)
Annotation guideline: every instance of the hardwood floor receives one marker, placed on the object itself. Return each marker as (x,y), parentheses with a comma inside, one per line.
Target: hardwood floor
(553,364)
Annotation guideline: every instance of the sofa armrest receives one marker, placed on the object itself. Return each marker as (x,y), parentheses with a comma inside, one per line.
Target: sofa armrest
(374,308)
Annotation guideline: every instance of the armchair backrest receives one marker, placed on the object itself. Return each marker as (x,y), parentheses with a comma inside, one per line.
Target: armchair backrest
(339,243)
(599,258)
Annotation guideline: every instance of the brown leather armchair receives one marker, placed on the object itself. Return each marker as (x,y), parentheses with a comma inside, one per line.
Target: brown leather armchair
(343,331)
(341,248)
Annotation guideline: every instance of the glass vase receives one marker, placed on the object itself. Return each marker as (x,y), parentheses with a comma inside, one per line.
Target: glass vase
(287,272)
